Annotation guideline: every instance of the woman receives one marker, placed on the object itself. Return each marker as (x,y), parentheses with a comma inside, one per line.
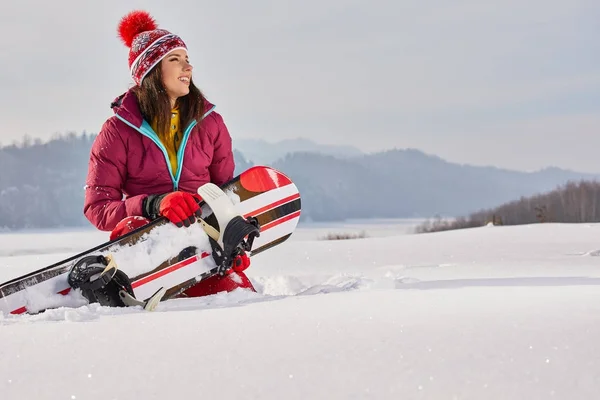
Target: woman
(164,141)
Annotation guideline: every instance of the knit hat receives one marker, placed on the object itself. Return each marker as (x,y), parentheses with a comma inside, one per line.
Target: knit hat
(147,44)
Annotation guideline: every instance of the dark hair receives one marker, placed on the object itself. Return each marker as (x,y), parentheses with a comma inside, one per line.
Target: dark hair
(154,102)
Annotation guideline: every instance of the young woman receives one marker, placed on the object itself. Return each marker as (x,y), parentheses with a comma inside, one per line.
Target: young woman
(163,142)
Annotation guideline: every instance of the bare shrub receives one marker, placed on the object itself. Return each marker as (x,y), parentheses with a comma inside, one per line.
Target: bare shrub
(344,236)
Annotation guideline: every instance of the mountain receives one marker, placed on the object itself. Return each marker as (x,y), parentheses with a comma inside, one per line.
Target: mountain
(407,184)
(241,163)
(263,152)
(41,185)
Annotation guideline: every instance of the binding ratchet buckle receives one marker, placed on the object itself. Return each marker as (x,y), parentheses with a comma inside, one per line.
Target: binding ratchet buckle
(237,238)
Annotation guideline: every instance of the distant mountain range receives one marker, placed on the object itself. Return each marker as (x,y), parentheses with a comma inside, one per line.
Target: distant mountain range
(263,152)
(339,182)
(409,183)
(41,185)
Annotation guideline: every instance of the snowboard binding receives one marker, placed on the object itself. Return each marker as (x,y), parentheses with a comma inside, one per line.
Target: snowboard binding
(235,234)
(100,281)
(238,238)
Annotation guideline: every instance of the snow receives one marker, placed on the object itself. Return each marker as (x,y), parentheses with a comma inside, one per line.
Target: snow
(503,313)
(158,245)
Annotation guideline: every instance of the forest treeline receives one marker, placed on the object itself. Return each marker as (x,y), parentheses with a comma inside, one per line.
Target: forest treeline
(573,202)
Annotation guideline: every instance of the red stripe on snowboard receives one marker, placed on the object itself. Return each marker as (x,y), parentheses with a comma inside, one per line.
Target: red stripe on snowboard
(168,270)
(273,205)
(21,310)
(263,179)
(279,221)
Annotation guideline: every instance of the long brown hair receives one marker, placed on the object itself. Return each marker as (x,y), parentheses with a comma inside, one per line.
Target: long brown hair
(154,102)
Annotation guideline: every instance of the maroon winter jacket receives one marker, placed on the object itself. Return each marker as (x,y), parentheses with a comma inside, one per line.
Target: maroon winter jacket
(128,162)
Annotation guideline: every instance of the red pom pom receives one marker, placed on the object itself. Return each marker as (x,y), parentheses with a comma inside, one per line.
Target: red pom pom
(133,23)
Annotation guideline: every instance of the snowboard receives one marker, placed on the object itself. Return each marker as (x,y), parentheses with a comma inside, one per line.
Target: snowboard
(163,260)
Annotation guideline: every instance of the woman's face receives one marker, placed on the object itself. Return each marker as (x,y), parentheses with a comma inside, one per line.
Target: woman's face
(176,74)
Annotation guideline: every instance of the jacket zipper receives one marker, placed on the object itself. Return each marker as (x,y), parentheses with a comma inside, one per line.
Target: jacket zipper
(147,131)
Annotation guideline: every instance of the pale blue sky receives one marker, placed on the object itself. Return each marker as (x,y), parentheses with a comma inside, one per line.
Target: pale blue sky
(509,83)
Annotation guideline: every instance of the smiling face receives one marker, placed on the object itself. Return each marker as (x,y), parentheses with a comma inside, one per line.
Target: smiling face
(176,74)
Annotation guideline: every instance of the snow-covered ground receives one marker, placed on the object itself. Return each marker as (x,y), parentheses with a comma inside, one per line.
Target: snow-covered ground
(486,313)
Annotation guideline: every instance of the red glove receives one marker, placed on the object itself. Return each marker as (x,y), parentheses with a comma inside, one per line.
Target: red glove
(240,263)
(181,208)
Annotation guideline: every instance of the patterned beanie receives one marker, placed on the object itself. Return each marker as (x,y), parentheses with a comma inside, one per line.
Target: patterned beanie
(147,44)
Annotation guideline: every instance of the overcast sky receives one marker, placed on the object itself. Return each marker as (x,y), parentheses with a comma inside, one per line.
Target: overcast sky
(510,83)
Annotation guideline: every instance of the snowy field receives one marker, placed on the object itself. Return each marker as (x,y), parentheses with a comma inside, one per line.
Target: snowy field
(486,313)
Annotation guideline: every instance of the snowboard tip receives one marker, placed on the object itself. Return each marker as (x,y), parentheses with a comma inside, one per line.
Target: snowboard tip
(263,178)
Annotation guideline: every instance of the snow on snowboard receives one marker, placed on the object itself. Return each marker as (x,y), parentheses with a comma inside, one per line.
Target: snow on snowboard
(255,211)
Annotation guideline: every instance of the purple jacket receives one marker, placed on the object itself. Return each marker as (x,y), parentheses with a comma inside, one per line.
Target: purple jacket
(128,162)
